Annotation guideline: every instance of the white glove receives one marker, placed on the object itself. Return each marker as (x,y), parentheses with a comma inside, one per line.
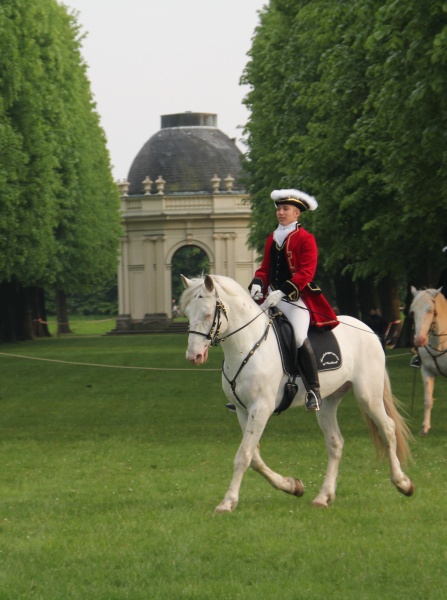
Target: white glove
(272,299)
(256,291)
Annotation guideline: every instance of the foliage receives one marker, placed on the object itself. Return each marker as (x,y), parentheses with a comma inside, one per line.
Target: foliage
(403,125)
(103,301)
(189,261)
(110,477)
(59,207)
(347,101)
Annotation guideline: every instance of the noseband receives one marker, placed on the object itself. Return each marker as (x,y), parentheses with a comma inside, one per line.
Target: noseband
(214,332)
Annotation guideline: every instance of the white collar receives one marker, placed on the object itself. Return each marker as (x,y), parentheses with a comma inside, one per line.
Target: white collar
(282,231)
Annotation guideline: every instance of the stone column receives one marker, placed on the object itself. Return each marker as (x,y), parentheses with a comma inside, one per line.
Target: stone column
(155,273)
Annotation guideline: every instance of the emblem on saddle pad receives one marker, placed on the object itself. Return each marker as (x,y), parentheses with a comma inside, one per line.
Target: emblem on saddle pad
(326,349)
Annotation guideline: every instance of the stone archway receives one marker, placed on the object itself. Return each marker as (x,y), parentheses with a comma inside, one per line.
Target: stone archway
(156,226)
(190,261)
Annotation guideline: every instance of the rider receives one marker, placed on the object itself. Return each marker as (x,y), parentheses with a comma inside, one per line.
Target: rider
(442,283)
(285,278)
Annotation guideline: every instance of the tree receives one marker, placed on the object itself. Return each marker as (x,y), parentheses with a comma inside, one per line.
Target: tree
(403,127)
(334,87)
(59,224)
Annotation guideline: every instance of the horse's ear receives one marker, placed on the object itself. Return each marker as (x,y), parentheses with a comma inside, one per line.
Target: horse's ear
(209,283)
(186,281)
(413,290)
(436,292)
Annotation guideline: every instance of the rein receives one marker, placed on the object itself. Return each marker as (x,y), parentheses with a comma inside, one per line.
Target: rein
(213,336)
(232,382)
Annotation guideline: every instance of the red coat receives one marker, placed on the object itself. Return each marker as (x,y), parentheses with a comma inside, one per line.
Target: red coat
(301,254)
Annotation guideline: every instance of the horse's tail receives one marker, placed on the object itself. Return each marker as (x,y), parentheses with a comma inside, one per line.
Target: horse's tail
(403,433)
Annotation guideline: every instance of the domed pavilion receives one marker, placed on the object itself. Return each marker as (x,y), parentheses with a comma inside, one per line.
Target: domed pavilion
(184,188)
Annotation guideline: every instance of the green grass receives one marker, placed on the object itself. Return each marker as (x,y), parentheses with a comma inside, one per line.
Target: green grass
(85,324)
(110,477)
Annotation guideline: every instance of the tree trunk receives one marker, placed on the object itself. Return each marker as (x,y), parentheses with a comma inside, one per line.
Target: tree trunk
(389,299)
(346,294)
(63,326)
(36,297)
(368,296)
(22,312)
(7,312)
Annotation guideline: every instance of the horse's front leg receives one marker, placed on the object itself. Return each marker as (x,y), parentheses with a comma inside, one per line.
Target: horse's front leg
(253,425)
(290,485)
(429,386)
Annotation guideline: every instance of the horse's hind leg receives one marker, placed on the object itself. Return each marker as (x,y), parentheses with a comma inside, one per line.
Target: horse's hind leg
(327,420)
(385,420)
(289,485)
(429,386)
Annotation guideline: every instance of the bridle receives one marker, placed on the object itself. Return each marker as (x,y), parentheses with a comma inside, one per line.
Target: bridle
(213,334)
(214,331)
(213,337)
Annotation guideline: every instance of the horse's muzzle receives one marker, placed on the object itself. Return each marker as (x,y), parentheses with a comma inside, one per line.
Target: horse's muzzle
(420,341)
(197,358)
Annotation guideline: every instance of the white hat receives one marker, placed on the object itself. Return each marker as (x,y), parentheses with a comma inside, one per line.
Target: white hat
(444,249)
(299,199)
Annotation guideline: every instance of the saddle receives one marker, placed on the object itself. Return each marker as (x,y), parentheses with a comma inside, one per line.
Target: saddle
(324,344)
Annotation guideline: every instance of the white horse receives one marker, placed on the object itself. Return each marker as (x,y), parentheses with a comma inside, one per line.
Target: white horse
(429,308)
(220,310)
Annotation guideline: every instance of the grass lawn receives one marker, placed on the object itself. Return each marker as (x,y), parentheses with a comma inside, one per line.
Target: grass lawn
(85,324)
(110,476)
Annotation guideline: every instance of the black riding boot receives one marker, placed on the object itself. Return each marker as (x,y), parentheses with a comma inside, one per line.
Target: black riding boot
(308,366)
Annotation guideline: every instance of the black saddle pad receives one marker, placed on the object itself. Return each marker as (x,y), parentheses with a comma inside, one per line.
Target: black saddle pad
(324,344)
(326,349)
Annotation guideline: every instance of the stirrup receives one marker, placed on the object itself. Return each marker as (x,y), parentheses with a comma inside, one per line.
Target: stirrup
(231,407)
(313,402)
(415,362)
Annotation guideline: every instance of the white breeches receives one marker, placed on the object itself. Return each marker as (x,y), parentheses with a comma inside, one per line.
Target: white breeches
(299,316)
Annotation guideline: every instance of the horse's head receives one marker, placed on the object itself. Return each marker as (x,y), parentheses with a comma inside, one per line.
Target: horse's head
(206,314)
(424,312)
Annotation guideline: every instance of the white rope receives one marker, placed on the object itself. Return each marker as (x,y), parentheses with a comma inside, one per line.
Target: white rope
(66,362)
(82,364)
(398,355)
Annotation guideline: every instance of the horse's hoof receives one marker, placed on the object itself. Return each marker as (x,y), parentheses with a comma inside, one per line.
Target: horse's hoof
(220,511)
(319,504)
(225,507)
(298,489)
(423,432)
(408,492)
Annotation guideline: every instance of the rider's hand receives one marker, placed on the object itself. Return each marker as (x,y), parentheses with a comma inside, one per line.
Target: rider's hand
(273,298)
(256,291)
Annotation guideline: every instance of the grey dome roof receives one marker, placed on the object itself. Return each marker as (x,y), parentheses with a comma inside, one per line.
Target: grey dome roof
(187,152)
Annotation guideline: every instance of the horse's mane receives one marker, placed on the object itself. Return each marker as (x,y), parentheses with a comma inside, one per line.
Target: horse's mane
(226,284)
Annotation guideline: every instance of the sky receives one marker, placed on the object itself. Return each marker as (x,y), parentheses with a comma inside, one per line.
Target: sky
(148,58)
